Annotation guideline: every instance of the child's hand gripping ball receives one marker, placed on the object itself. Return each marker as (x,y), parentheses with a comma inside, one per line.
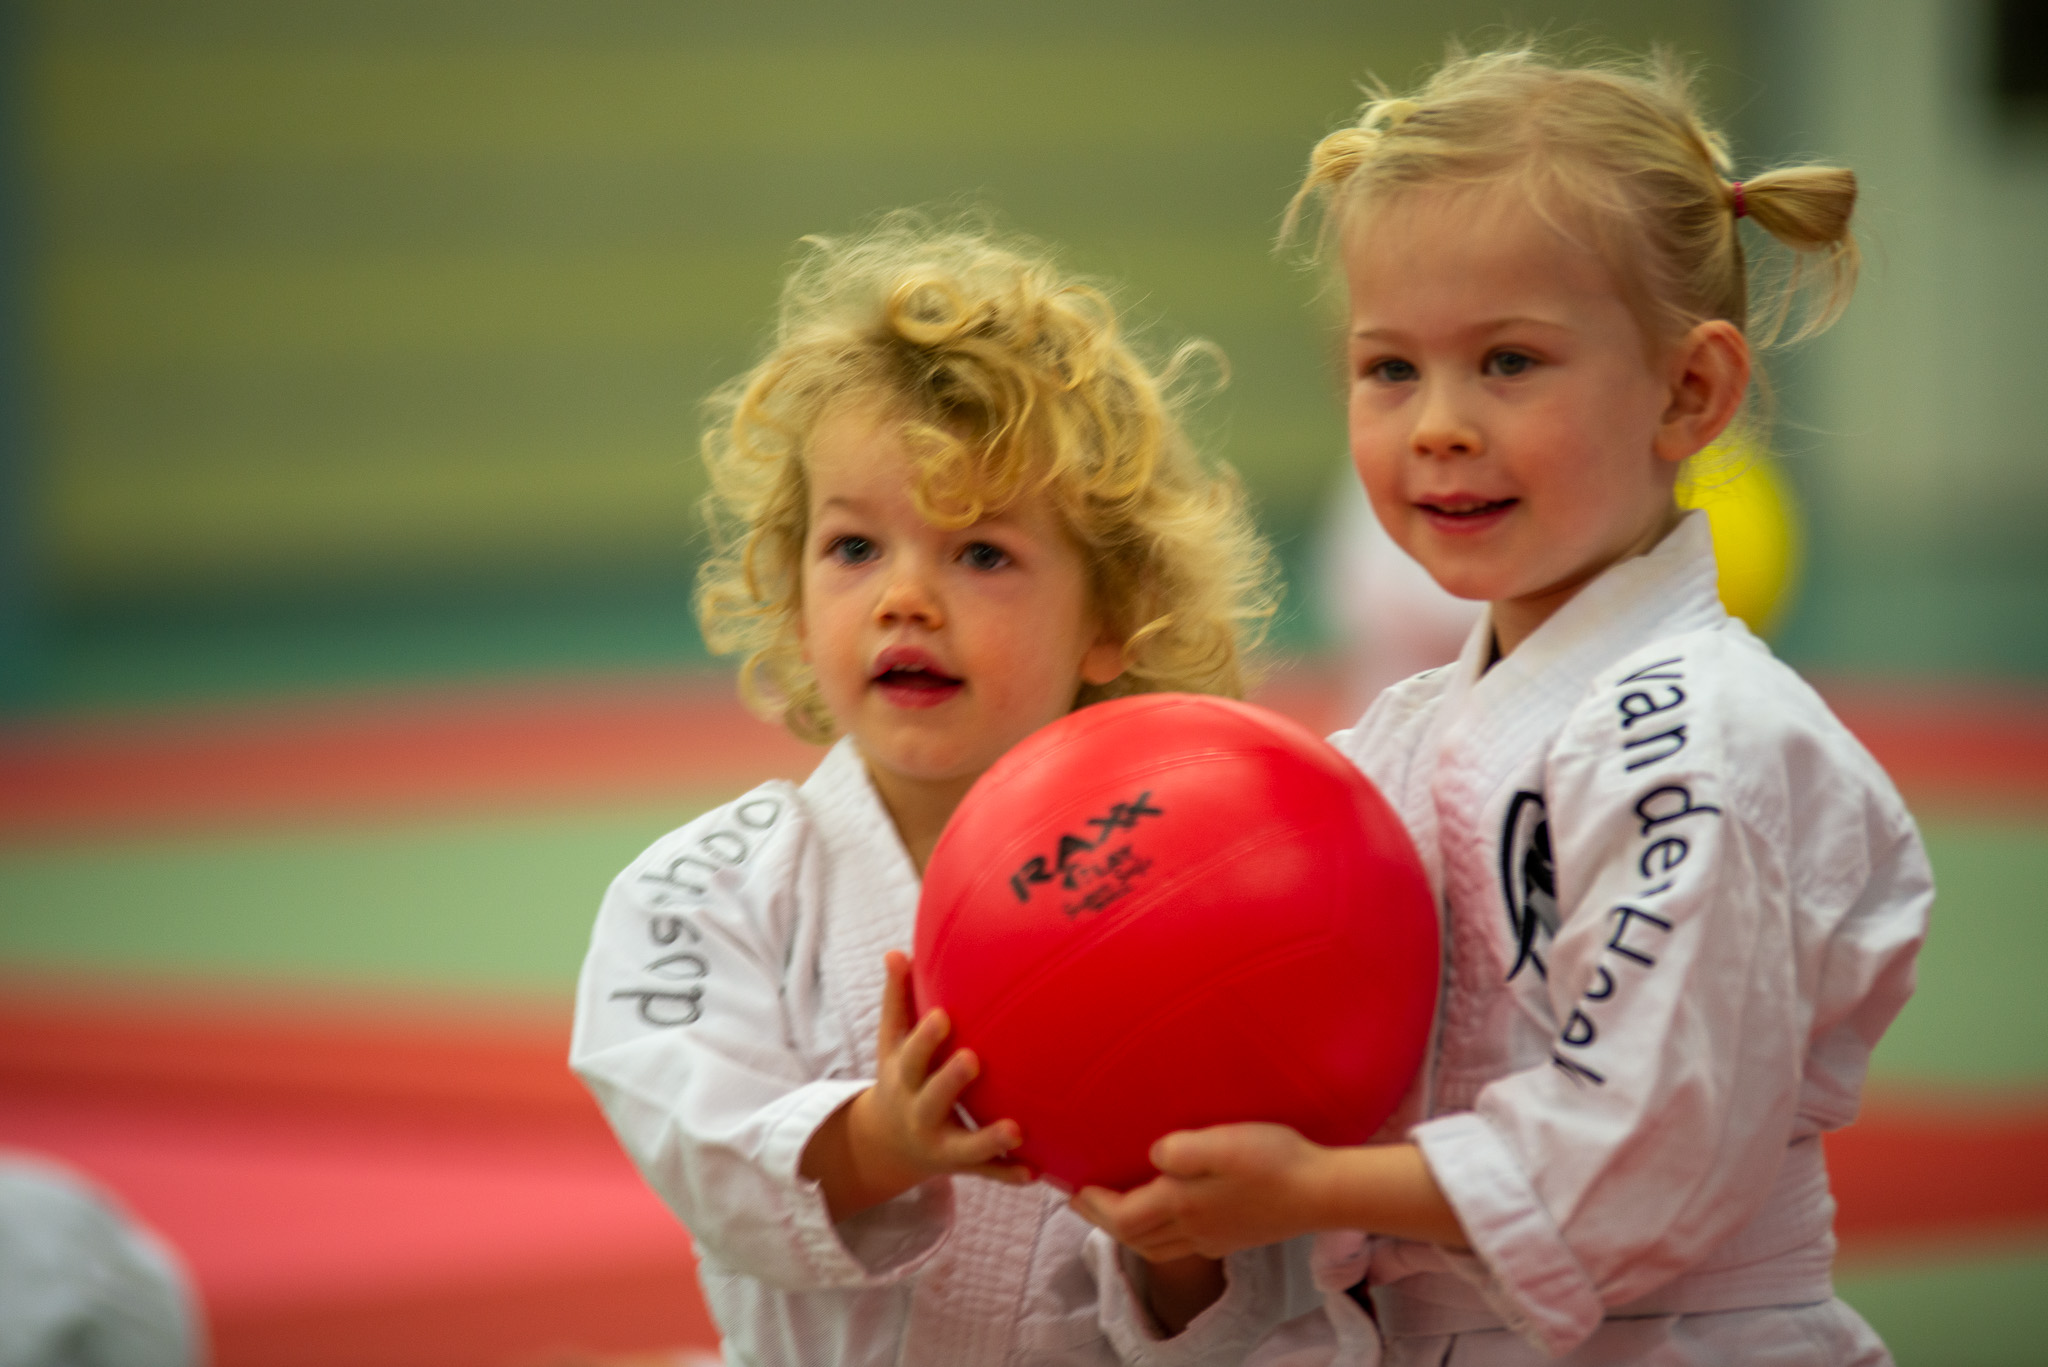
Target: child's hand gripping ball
(1167,912)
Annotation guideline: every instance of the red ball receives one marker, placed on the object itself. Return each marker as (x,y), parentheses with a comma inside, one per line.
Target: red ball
(1171,911)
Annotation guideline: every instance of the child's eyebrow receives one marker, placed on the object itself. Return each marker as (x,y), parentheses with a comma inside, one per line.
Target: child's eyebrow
(1485,329)
(1522,320)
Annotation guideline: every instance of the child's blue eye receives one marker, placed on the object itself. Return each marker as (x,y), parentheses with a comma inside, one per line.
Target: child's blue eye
(982,556)
(1509,364)
(1393,370)
(851,550)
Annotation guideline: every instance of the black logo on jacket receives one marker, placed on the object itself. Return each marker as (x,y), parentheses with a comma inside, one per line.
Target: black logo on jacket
(1528,879)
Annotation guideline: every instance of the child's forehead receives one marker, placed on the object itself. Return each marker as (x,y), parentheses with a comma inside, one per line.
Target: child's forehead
(1469,246)
(1469,219)
(865,451)
(877,423)
(855,427)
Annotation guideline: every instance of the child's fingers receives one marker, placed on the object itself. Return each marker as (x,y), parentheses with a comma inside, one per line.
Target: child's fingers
(1149,1234)
(895,1003)
(1184,1153)
(939,1093)
(910,1011)
(1167,1249)
(1220,1150)
(1131,1217)
(914,1058)
(1088,1204)
(971,1148)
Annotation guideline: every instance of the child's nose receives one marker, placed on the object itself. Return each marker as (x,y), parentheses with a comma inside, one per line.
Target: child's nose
(908,595)
(1442,426)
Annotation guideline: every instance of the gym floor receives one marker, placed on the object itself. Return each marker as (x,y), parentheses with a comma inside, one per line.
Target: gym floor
(293,981)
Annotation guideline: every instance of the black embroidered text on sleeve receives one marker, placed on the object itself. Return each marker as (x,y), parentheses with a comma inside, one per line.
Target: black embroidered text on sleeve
(1650,725)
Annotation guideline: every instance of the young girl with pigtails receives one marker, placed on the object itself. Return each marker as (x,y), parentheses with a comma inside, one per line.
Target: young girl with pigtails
(1680,902)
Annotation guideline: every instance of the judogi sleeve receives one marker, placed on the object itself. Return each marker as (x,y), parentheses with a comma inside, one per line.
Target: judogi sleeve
(686,1034)
(1737,887)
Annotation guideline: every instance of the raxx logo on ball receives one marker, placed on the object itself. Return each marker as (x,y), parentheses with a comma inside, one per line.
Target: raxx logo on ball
(1076,866)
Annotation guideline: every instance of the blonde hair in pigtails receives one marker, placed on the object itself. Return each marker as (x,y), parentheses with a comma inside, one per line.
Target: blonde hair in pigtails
(1807,209)
(1336,157)
(1616,154)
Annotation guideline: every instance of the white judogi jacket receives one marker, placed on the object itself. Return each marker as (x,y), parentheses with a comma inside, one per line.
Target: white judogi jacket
(1681,905)
(729,1005)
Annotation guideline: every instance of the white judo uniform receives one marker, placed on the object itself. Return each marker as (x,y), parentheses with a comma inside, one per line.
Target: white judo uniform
(1681,905)
(728,1005)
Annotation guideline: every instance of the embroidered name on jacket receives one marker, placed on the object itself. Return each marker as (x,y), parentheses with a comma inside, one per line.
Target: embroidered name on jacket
(1650,727)
(679,971)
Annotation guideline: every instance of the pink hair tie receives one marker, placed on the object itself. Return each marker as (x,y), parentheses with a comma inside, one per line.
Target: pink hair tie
(1741,207)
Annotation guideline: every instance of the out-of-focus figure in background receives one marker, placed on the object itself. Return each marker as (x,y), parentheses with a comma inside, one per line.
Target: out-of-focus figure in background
(1388,620)
(83,1285)
(1386,617)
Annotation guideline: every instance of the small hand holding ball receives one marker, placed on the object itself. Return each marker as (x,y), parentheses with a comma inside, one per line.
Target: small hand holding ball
(904,1129)
(1229,1187)
(1219,1190)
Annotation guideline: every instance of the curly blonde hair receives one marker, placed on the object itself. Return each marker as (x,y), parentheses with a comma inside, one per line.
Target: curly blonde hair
(1010,380)
(1622,152)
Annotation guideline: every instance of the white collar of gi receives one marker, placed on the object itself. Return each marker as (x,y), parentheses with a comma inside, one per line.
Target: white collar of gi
(1670,589)
(841,785)
(870,888)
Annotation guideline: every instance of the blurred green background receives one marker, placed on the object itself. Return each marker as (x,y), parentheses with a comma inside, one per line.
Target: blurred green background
(363,340)
(350,346)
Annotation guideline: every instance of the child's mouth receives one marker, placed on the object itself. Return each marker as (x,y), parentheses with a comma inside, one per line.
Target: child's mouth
(916,686)
(1466,514)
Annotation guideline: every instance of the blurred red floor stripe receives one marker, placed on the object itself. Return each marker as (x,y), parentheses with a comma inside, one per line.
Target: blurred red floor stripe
(384,1185)
(1934,1166)
(1969,745)
(356,1187)
(622,740)
(601,740)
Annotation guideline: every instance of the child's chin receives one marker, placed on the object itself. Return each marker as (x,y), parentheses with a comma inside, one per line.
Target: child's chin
(1462,581)
(920,759)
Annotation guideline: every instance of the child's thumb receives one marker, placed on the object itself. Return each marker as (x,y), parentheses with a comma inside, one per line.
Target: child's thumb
(1184,1153)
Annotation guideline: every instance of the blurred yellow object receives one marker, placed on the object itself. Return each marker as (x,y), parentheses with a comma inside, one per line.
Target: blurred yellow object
(1756,531)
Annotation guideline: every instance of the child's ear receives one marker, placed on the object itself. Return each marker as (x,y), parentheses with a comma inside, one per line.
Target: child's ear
(1709,372)
(1103,662)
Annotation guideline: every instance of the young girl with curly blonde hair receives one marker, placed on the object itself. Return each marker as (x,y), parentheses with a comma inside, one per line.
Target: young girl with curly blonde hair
(1681,903)
(950,504)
